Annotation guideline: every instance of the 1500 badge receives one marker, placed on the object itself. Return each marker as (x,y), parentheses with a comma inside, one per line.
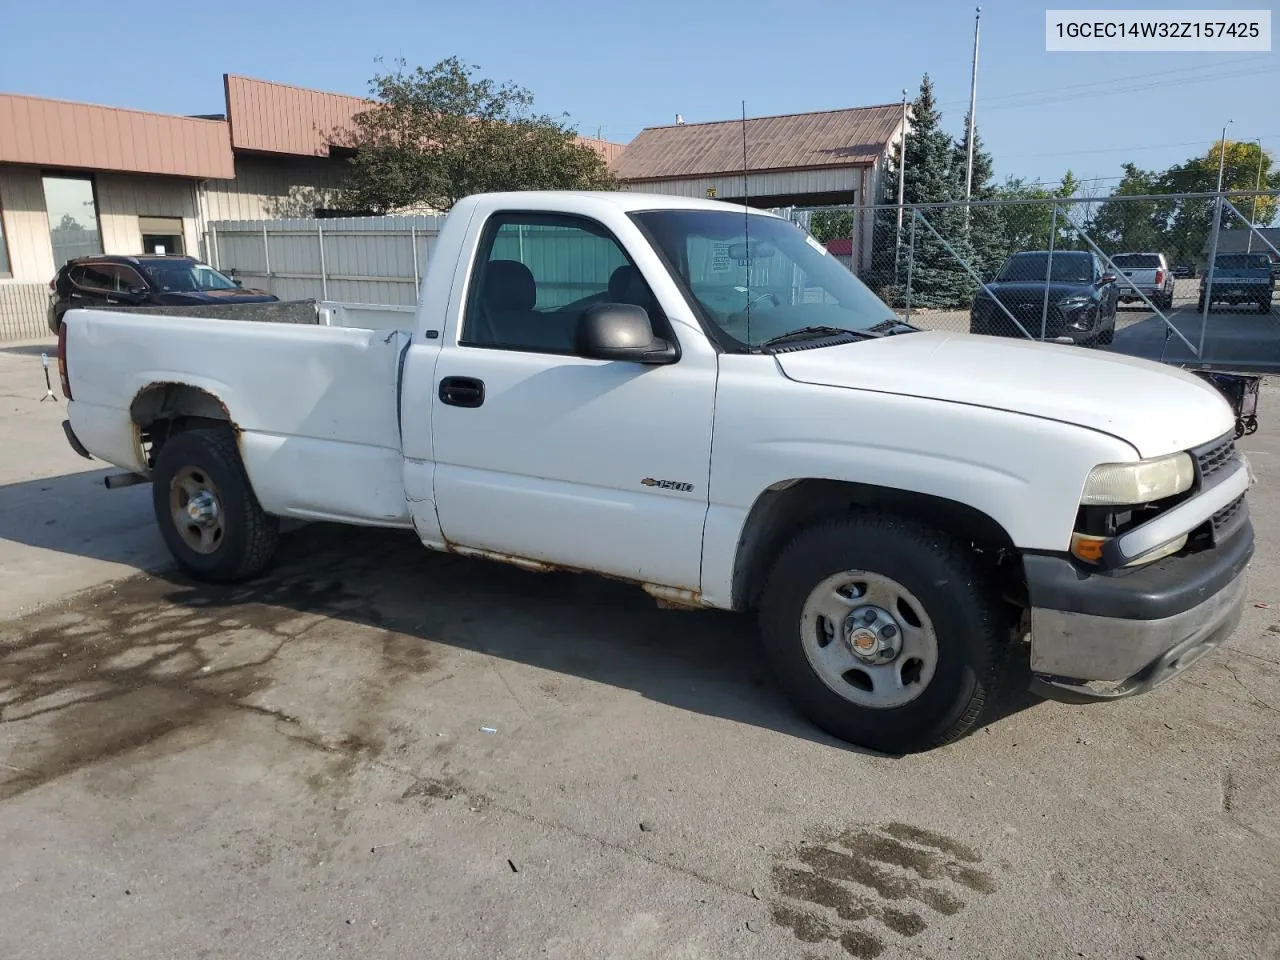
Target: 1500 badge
(668,484)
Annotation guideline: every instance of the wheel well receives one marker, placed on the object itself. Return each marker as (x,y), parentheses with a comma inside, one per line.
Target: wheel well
(161,410)
(785,509)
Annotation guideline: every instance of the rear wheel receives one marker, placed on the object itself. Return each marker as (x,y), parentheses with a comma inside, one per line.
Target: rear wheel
(208,514)
(883,632)
(1264,305)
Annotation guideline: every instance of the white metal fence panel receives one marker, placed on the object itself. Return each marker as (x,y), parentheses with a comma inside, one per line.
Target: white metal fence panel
(376,260)
(23,309)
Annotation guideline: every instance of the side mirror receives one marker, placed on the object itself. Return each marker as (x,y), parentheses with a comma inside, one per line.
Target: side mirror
(238,283)
(620,331)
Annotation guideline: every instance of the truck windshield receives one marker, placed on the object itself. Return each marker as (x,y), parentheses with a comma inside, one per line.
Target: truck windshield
(1133,260)
(755,277)
(1067,267)
(1243,261)
(186,276)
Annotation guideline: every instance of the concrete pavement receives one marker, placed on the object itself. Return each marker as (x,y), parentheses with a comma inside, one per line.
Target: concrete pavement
(380,752)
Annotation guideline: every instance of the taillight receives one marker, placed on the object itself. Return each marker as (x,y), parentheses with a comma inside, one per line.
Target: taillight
(1159,278)
(62,360)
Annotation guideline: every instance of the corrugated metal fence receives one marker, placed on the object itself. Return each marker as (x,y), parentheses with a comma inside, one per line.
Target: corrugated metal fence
(23,308)
(355,259)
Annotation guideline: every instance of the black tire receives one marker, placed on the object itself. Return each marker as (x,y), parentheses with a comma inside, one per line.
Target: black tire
(957,597)
(1200,304)
(1108,335)
(248,537)
(1264,305)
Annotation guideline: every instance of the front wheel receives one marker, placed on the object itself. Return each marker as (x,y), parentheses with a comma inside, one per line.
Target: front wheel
(208,514)
(884,632)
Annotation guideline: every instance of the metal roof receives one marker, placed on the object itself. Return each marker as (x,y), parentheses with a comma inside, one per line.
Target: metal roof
(59,133)
(268,117)
(799,141)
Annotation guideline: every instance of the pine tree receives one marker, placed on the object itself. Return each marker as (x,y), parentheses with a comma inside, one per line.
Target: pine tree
(986,233)
(937,278)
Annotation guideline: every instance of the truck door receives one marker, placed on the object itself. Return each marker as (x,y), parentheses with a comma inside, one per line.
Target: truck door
(542,454)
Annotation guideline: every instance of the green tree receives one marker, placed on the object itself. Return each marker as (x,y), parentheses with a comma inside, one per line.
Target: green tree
(1026,225)
(1191,220)
(985,233)
(436,135)
(1133,224)
(937,277)
(827,225)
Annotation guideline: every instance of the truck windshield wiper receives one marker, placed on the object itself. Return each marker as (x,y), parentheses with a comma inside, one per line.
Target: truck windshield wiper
(892,325)
(808,333)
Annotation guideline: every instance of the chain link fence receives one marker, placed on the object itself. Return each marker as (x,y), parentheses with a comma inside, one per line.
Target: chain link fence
(1184,278)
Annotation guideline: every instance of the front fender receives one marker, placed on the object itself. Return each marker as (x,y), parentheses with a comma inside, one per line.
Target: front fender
(1025,473)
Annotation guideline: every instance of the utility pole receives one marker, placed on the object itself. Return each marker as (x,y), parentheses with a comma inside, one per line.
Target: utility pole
(973,106)
(902,165)
(1253,217)
(1222,153)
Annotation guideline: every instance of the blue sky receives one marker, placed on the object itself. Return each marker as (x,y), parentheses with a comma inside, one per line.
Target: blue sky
(619,67)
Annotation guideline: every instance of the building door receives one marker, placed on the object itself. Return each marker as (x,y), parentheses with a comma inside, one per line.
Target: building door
(161,235)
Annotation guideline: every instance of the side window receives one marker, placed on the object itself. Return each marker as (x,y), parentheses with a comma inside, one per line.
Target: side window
(94,277)
(534,276)
(126,278)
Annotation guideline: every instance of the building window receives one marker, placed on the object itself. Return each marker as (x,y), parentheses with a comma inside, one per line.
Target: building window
(161,235)
(5,270)
(73,218)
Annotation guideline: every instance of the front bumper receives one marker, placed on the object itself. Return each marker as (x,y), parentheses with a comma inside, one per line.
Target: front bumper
(986,317)
(1105,636)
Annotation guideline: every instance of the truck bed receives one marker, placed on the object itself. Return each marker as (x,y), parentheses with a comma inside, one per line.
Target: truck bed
(314,407)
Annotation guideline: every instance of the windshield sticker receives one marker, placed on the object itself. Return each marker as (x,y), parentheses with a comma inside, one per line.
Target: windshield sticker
(817,246)
(720,262)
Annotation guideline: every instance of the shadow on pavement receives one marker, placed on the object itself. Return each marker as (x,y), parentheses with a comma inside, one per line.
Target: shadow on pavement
(597,629)
(1236,338)
(32,350)
(75,514)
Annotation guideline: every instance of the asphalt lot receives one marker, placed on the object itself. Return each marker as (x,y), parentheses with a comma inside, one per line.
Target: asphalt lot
(376,751)
(1235,337)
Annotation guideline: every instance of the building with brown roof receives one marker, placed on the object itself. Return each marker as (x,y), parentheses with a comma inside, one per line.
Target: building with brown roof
(801,159)
(80,179)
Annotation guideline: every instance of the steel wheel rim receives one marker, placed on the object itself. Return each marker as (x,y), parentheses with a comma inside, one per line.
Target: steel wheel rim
(196,510)
(847,647)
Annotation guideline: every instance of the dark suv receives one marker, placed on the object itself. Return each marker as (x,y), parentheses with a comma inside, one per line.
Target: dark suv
(142,281)
(1080,295)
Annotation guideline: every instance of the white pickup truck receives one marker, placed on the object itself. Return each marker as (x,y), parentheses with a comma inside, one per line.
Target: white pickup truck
(699,399)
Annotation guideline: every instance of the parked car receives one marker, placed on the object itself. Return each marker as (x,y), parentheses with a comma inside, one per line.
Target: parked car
(1081,301)
(1237,278)
(142,281)
(1145,272)
(894,506)
(1184,270)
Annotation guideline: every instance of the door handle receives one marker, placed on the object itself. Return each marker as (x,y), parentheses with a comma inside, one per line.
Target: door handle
(462,391)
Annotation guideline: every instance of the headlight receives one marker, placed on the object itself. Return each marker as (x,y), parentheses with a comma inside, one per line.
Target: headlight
(1073,303)
(1121,484)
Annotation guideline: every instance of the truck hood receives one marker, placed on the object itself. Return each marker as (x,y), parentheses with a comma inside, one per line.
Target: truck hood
(1156,408)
